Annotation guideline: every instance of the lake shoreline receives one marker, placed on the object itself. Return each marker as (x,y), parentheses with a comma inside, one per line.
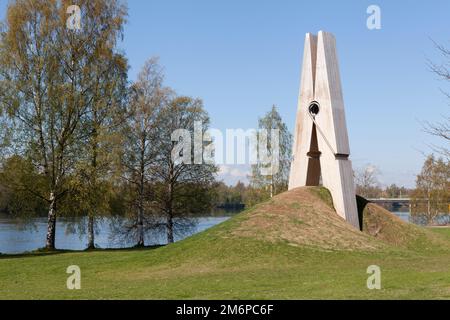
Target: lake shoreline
(44,252)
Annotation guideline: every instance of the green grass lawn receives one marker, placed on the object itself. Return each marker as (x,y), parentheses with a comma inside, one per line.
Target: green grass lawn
(220,264)
(207,267)
(444,231)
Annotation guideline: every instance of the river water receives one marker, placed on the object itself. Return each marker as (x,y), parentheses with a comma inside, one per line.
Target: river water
(16,237)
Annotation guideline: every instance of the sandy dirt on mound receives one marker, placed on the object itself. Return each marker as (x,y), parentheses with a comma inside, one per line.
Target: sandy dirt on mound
(303,217)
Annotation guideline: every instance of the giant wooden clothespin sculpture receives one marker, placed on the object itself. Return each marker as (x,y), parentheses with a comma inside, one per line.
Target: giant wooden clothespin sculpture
(321,147)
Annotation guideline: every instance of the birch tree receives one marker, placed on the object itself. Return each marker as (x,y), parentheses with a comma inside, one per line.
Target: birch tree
(277,182)
(96,172)
(147,97)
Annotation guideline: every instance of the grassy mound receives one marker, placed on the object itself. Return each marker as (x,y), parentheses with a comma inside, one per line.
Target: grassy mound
(390,229)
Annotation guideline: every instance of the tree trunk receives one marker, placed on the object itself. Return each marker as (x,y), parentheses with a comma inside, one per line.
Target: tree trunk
(91,233)
(271,187)
(51,224)
(140,227)
(170,238)
(92,215)
(140,216)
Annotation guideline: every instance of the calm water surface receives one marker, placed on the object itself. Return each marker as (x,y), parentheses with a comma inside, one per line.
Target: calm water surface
(15,237)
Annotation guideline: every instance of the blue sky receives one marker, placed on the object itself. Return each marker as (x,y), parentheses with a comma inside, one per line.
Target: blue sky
(241,57)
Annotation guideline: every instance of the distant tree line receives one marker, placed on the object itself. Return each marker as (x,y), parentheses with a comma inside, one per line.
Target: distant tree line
(368,185)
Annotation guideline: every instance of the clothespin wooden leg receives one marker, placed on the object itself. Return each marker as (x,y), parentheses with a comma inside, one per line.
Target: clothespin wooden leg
(321,140)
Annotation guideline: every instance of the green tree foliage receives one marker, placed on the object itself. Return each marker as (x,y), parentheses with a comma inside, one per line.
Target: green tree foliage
(237,196)
(230,197)
(96,170)
(20,189)
(432,195)
(394,191)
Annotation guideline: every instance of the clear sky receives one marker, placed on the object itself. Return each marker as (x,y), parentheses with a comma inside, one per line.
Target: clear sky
(241,57)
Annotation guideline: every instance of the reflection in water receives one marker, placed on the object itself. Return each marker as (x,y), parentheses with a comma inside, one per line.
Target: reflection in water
(14,238)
